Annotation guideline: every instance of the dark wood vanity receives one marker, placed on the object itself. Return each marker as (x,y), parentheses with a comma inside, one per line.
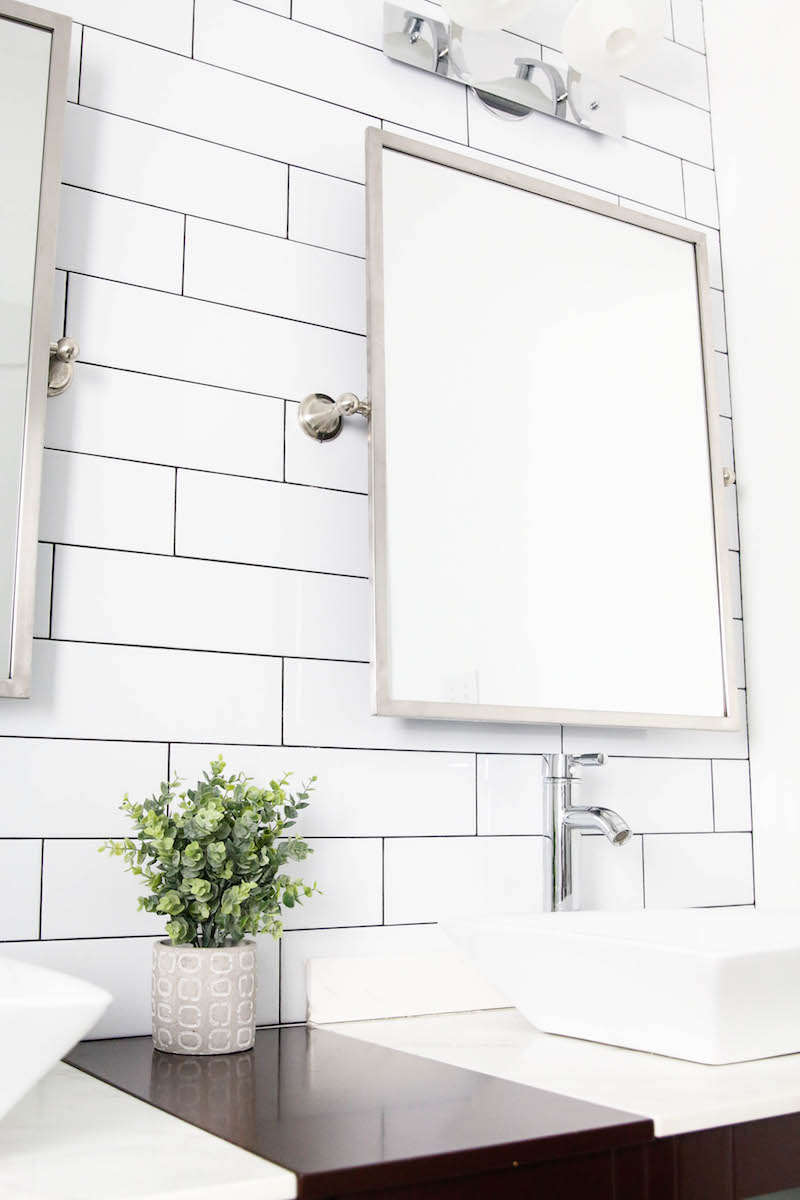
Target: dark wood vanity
(352,1119)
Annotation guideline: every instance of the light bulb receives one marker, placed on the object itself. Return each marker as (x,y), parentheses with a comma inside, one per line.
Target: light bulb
(605,38)
(486,14)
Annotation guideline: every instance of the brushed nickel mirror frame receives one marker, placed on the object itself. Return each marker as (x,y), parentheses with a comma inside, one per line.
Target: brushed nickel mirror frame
(17,685)
(383,703)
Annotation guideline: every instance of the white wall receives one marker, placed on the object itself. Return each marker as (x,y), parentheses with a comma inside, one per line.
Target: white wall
(755,139)
(203,565)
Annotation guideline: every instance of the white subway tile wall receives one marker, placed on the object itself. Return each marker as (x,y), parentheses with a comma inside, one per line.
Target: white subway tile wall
(203,573)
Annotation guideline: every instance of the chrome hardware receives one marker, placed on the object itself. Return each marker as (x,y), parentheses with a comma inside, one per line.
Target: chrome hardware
(321,416)
(435,46)
(563,818)
(728,477)
(63,354)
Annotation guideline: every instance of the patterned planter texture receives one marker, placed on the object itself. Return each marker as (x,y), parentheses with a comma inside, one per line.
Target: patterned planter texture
(204,1001)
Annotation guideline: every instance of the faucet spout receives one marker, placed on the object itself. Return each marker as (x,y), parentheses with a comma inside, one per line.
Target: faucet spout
(606,820)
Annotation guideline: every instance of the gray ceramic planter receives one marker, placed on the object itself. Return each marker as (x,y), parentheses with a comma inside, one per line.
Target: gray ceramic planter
(204,1001)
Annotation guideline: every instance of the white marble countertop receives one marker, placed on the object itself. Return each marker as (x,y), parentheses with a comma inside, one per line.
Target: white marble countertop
(678,1096)
(75,1138)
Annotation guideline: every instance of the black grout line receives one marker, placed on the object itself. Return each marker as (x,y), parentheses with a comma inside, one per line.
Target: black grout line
(41,890)
(52,592)
(146,462)
(175,516)
(383,881)
(477,802)
(269,655)
(272,316)
(713,798)
(194,17)
(285,419)
(66,300)
(683,187)
(283,696)
(183,256)
(80,67)
(223,561)
(280,974)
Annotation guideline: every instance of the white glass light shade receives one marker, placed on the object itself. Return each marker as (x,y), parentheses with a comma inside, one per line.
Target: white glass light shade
(605,38)
(486,14)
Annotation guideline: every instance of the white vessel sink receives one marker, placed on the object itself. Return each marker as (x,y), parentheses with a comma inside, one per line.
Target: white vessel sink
(709,985)
(42,1015)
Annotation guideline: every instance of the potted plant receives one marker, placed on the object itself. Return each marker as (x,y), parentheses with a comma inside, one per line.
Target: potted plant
(213,860)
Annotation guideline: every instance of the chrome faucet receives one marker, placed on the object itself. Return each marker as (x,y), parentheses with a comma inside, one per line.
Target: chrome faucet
(563,819)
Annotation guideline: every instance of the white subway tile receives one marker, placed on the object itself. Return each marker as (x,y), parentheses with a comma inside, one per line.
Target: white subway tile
(222,106)
(654,795)
(609,877)
(20,876)
(723,383)
(383,941)
(75,788)
(123,967)
(209,343)
(327,212)
(109,154)
(103,502)
(349,18)
(129,693)
(701,193)
(349,874)
(430,879)
(659,743)
(510,794)
(74,70)
(352,988)
(358,793)
(141,600)
(168,25)
(306,59)
(732,517)
(121,414)
(625,167)
(675,70)
(44,590)
(273,275)
(667,124)
(732,811)
(328,704)
(698,870)
(117,239)
(736,584)
(275,524)
(88,894)
(718,320)
(687,18)
(344,466)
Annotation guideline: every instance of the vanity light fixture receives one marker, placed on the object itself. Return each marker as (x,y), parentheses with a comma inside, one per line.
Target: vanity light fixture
(601,40)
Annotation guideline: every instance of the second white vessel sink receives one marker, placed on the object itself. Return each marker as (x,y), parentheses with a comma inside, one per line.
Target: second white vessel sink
(710,985)
(42,1015)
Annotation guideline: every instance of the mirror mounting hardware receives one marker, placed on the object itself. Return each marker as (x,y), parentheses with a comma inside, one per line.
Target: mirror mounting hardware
(63,355)
(321,417)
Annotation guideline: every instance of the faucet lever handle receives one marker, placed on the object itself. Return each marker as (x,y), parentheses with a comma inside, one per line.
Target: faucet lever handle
(587,760)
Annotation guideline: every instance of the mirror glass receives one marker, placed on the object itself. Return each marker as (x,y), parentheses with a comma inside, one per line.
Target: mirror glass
(34,55)
(24,74)
(546,484)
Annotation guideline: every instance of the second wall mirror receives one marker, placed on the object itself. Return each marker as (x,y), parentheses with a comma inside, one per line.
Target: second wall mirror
(547,489)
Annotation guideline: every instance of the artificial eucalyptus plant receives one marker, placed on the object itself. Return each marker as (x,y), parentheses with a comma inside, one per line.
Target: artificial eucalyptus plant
(213,856)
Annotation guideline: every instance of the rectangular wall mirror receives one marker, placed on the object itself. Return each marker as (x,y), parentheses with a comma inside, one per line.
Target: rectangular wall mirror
(547,491)
(34,53)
